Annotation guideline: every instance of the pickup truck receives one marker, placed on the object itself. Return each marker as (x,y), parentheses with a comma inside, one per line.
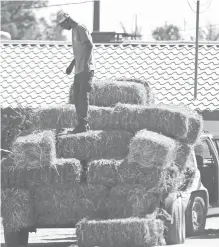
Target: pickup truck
(216,141)
(188,207)
(200,199)
(210,170)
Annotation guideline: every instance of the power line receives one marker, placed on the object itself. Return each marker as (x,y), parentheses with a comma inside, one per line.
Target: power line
(55,5)
(202,4)
(200,12)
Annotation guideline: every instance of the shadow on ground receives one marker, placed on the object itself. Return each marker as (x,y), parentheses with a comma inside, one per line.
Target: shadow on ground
(208,234)
(66,244)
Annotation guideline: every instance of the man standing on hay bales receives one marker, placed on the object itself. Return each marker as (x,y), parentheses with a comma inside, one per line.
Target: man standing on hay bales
(84,69)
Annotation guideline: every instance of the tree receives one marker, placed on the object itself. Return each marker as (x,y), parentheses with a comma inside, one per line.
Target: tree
(52,31)
(166,32)
(210,32)
(19,19)
(135,33)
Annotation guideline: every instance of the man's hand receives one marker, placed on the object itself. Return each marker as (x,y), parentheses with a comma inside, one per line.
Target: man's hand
(69,70)
(70,67)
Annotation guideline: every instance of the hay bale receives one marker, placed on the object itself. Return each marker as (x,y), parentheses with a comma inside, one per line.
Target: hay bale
(183,153)
(35,150)
(65,206)
(169,121)
(94,145)
(152,149)
(66,172)
(120,232)
(14,122)
(6,165)
(108,93)
(103,172)
(91,202)
(12,177)
(64,116)
(17,209)
(149,90)
(154,179)
(134,173)
(131,201)
(195,127)
(195,123)
(4,177)
(100,118)
(55,206)
(55,117)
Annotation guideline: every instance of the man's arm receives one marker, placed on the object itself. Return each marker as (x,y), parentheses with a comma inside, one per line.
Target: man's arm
(70,67)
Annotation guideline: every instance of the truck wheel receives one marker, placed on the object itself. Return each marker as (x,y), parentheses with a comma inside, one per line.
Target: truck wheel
(176,229)
(195,216)
(18,238)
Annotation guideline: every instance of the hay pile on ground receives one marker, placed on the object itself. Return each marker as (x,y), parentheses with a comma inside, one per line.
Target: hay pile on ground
(151,149)
(133,232)
(17,209)
(94,145)
(109,93)
(35,150)
(61,206)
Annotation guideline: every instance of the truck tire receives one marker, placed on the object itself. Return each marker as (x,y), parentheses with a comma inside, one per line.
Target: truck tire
(195,216)
(18,238)
(176,232)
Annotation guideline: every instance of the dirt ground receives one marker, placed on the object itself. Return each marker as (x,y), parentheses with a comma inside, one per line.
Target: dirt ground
(67,238)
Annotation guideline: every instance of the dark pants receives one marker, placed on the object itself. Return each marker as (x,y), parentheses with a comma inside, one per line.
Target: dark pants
(79,94)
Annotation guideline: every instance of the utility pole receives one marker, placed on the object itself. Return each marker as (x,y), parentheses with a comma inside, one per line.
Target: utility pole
(96,16)
(196,49)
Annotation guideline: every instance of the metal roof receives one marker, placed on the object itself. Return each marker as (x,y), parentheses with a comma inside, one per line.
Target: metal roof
(33,73)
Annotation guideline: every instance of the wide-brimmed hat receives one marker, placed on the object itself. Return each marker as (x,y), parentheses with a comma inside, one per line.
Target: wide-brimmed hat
(62,16)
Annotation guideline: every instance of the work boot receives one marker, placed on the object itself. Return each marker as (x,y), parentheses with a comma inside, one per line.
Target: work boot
(80,128)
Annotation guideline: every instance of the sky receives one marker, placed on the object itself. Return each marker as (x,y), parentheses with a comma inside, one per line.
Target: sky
(150,14)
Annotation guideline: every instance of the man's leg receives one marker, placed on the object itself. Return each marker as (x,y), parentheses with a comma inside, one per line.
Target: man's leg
(83,107)
(75,94)
(85,88)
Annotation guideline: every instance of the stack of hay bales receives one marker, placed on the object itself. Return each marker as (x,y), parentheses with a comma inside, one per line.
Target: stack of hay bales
(135,153)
